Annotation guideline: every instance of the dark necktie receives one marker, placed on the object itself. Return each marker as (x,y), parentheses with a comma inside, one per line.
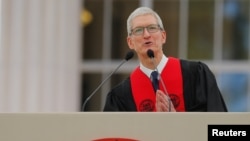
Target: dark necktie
(155,80)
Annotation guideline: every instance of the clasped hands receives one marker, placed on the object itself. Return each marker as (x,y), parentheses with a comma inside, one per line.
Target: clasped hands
(162,102)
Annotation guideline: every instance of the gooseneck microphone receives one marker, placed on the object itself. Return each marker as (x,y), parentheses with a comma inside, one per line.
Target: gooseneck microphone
(128,56)
(151,55)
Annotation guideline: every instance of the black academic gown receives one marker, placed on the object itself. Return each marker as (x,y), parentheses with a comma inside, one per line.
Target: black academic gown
(201,93)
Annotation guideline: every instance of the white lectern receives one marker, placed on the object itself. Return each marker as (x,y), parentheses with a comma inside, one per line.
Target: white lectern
(90,126)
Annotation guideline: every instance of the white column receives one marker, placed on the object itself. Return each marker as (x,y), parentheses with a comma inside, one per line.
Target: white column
(40,56)
(15,57)
(218,30)
(147,3)
(107,43)
(183,29)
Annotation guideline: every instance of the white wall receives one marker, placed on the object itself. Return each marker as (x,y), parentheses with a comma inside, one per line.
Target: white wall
(40,55)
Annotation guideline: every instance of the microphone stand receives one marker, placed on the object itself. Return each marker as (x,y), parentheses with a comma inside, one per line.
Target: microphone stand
(88,98)
(129,55)
(150,53)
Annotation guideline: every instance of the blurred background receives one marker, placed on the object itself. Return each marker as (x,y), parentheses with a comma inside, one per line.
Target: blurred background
(55,53)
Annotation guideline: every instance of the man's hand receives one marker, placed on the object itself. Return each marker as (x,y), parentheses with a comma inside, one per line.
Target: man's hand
(162,103)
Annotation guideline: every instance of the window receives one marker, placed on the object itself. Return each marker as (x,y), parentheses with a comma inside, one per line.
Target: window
(213,31)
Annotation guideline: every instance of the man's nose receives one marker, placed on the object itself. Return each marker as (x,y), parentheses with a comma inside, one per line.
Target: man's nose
(145,32)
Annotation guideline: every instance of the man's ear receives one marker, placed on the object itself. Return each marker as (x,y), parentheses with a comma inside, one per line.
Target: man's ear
(130,43)
(164,37)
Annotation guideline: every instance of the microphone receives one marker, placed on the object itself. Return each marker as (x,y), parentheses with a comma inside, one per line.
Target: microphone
(128,56)
(151,55)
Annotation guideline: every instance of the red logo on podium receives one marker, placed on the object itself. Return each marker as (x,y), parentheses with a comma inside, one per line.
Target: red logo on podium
(115,139)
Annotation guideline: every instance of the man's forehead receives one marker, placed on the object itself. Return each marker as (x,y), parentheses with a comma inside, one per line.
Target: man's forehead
(143,20)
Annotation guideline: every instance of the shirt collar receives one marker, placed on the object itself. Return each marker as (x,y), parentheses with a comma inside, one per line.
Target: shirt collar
(160,66)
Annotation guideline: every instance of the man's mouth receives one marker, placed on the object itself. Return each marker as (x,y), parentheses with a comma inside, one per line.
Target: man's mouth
(148,43)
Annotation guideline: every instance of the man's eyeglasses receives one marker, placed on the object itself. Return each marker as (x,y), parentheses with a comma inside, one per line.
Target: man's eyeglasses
(140,30)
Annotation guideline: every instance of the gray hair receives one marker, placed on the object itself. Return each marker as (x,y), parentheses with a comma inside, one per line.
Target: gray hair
(139,12)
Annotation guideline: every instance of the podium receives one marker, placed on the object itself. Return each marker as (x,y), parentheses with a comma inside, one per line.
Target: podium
(94,126)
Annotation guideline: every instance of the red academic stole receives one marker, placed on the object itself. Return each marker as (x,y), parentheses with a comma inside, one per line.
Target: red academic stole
(143,91)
